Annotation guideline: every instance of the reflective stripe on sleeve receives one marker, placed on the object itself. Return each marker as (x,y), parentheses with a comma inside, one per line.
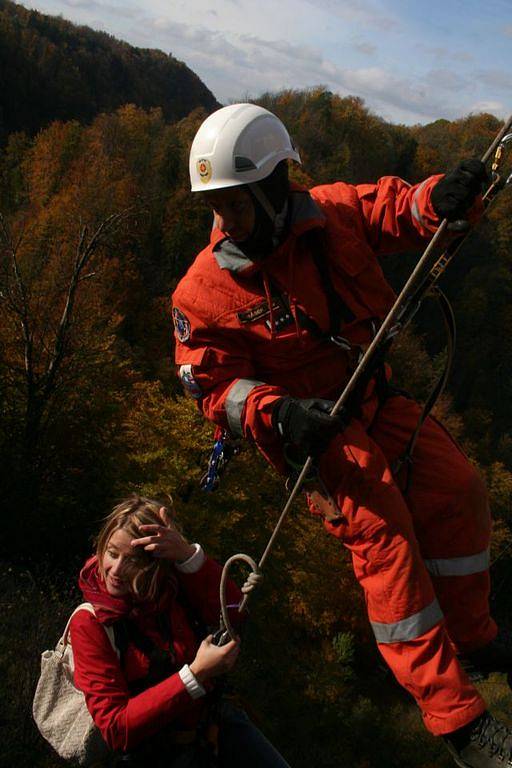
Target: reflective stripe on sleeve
(410,628)
(235,402)
(460,566)
(414,209)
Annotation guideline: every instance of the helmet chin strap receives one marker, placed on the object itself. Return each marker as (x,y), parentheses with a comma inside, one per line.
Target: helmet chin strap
(277,219)
(263,201)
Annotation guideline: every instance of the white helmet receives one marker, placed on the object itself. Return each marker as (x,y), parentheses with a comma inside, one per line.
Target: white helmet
(238,144)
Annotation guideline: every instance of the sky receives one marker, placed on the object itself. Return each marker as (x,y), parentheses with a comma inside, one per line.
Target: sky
(411,62)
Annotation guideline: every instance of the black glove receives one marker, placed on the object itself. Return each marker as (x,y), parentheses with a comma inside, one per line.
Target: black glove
(307,424)
(456,193)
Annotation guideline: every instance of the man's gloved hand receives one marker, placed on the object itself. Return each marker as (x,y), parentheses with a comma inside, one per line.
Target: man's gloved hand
(455,194)
(307,424)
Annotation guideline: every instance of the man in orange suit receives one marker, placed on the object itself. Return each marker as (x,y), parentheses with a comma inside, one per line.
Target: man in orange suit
(270,321)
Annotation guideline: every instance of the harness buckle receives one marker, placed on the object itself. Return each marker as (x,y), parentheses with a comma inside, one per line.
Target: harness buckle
(341,342)
(319,497)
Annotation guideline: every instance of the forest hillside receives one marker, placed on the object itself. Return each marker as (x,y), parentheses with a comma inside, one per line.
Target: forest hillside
(97,225)
(51,69)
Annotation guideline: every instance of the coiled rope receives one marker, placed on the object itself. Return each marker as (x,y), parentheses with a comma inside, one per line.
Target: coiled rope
(253,580)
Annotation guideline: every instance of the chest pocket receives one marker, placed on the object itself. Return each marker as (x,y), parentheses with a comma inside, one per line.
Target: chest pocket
(357,275)
(259,314)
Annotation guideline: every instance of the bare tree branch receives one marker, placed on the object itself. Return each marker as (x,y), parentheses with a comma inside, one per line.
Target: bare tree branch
(88,276)
(22,309)
(86,248)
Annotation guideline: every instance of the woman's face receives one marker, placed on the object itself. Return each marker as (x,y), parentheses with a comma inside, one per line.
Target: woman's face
(118,554)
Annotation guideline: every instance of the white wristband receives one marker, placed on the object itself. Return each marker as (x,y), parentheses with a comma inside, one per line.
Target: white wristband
(191,682)
(194,562)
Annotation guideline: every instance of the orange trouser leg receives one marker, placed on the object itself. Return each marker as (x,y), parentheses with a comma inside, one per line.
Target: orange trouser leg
(402,606)
(450,513)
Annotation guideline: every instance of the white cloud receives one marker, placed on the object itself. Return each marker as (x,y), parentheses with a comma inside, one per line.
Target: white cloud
(81,3)
(358,11)
(101,7)
(240,48)
(238,66)
(447,80)
(494,107)
(495,78)
(439,53)
(364,47)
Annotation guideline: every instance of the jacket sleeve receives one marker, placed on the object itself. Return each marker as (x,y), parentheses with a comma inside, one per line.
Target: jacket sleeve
(215,367)
(124,720)
(201,590)
(398,216)
(396,213)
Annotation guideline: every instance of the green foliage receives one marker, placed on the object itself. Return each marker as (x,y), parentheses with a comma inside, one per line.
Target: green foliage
(344,647)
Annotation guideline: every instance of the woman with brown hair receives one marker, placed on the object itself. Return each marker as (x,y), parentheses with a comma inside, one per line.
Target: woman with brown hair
(154,699)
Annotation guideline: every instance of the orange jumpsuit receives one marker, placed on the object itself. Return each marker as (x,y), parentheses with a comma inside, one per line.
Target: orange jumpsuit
(422,560)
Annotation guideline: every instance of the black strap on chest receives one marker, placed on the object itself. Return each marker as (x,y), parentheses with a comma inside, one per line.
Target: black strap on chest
(339,313)
(162,662)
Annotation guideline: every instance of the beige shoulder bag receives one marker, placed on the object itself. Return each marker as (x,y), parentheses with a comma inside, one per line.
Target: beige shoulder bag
(59,708)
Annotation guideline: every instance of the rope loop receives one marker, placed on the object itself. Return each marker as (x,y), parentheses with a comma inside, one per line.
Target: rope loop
(253,580)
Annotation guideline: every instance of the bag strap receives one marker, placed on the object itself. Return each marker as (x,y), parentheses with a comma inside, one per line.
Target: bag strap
(64,642)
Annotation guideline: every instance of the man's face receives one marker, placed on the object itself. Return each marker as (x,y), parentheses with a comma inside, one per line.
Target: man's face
(234,212)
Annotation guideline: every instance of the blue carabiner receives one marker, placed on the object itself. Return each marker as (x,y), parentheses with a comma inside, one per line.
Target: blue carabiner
(210,481)
(224,448)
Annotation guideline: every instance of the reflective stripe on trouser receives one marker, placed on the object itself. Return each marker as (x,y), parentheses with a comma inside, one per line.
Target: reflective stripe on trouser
(377,528)
(450,511)
(234,403)
(409,628)
(459,566)
(463,585)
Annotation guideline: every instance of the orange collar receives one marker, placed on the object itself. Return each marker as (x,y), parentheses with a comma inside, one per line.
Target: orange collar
(305,215)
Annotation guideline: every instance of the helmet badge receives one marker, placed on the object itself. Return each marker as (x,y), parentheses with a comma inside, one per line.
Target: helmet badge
(204,169)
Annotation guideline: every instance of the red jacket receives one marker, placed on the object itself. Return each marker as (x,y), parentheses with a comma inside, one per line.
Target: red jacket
(125,720)
(239,351)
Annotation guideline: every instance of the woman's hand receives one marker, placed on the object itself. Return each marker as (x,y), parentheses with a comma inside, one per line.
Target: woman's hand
(213,660)
(164,541)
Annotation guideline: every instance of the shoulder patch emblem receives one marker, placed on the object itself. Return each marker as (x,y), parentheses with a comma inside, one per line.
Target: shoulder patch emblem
(181,325)
(189,383)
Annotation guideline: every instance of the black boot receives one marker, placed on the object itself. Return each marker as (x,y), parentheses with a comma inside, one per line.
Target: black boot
(496,656)
(483,743)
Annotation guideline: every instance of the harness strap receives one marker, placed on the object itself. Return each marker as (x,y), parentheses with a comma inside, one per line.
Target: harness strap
(339,313)
(449,321)
(162,663)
